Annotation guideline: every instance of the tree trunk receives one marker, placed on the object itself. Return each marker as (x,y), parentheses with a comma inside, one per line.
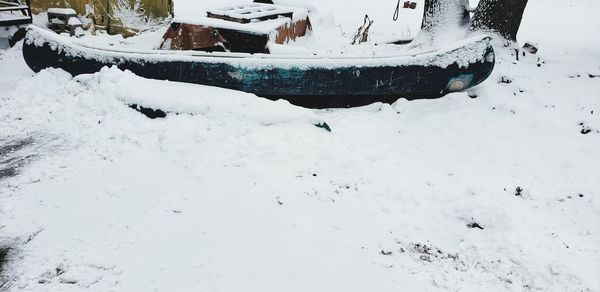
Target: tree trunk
(500,16)
(438,14)
(430,14)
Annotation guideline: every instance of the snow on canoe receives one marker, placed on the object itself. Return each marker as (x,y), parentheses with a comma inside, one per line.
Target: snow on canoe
(310,81)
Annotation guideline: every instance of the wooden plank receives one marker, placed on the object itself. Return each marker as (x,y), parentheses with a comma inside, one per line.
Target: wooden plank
(228,18)
(9,3)
(14,8)
(14,2)
(275,16)
(16,21)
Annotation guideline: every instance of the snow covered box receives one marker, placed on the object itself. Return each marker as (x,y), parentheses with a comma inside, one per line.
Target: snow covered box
(242,28)
(63,20)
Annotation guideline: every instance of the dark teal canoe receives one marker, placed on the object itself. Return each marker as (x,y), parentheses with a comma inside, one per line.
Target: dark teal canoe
(310,81)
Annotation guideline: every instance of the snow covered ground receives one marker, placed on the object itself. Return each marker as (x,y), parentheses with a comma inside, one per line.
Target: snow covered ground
(237,193)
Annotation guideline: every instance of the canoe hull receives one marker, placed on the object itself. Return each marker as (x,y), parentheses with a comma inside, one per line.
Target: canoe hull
(317,83)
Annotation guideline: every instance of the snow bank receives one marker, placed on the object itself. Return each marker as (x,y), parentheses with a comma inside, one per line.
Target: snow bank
(120,89)
(193,99)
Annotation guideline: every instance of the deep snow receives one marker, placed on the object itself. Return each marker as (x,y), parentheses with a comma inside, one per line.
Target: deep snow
(237,193)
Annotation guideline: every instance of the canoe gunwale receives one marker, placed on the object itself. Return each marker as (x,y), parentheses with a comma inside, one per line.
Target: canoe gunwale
(50,36)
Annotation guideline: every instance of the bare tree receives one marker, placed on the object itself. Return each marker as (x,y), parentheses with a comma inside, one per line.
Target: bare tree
(500,16)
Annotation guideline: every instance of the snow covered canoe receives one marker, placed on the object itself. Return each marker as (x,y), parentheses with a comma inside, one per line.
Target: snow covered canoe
(310,81)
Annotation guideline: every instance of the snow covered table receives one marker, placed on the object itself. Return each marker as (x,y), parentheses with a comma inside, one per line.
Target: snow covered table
(241,28)
(63,20)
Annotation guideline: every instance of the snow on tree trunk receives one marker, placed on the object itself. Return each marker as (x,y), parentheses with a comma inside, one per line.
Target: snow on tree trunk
(443,21)
(500,16)
(439,14)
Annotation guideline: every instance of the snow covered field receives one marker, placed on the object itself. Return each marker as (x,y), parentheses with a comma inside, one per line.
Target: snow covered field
(495,193)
